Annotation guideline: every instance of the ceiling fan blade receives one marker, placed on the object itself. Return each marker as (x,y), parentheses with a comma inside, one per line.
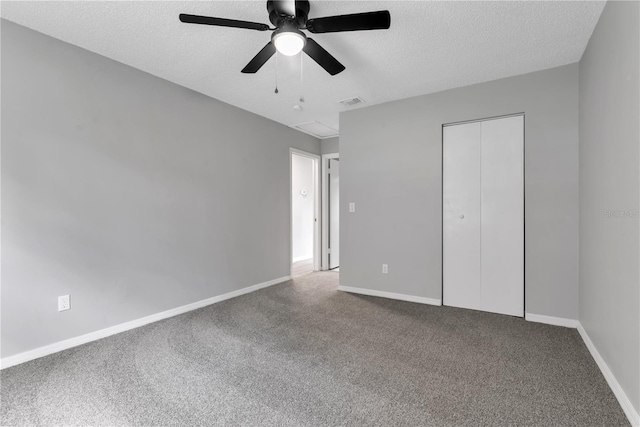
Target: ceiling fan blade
(260,59)
(322,57)
(221,22)
(380,20)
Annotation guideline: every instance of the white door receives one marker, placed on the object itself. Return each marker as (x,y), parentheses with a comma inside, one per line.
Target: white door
(483,215)
(461,215)
(302,207)
(334,213)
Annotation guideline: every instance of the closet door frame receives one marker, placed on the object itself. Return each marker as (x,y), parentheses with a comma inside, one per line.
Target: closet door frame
(524,201)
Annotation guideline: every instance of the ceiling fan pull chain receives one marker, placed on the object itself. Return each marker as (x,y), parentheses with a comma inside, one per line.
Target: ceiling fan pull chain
(301,77)
(276,91)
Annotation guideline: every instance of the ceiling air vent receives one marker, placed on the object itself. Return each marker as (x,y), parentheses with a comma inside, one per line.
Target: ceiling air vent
(352,101)
(316,129)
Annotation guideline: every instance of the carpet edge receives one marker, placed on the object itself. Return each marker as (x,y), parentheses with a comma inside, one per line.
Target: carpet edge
(390,295)
(551,320)
(26,356)
(614,385)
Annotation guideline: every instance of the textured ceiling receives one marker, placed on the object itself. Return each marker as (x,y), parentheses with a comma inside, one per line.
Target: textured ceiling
(431,46)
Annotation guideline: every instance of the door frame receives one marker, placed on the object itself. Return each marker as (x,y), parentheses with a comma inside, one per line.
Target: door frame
(316,206)
(524,200)
(325,207)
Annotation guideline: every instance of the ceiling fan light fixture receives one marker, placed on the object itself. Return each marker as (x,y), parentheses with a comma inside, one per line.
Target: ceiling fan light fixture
(289,42)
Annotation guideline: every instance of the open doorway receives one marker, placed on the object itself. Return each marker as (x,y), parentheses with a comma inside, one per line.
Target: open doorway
(331,212)
(305,242)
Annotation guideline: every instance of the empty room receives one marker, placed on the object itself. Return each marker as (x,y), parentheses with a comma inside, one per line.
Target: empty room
(320,213)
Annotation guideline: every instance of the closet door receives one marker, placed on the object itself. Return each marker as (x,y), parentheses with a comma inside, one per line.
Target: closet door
(502,205)
(461,215)
(483,215)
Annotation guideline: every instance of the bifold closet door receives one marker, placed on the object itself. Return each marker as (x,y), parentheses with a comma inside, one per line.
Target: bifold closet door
(483,215)
(461,215)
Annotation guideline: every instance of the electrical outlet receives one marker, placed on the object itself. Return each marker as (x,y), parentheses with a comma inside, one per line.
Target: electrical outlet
(352,207)
(385,268)
(64,303)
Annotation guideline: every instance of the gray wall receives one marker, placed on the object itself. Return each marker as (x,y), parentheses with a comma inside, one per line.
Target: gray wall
(391,156)
(130,193)
(330,145)
(609,193)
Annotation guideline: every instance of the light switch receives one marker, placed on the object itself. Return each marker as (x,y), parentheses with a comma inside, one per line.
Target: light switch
(352,207)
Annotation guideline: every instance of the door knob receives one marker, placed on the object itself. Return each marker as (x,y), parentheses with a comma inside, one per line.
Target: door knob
(461,216)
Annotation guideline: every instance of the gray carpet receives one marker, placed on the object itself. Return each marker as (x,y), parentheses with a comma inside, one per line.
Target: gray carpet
(300,268)
(302,353)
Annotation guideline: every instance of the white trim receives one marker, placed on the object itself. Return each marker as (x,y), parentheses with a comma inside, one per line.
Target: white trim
(313,134)
(550,320)
(623,399)
(302,258)
(316,206)
(390,295)
(103,333)
(325,207)
(464,122)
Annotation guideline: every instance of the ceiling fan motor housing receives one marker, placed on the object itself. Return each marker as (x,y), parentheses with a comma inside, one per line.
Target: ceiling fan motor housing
(287,27)
(278,13)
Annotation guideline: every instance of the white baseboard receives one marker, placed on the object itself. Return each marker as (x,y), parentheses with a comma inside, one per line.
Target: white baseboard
(550,320)
(103,333)
(623,399)
(302,258)
(390,295)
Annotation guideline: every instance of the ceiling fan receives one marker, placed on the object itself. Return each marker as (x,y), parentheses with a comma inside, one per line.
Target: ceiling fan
(290,17)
